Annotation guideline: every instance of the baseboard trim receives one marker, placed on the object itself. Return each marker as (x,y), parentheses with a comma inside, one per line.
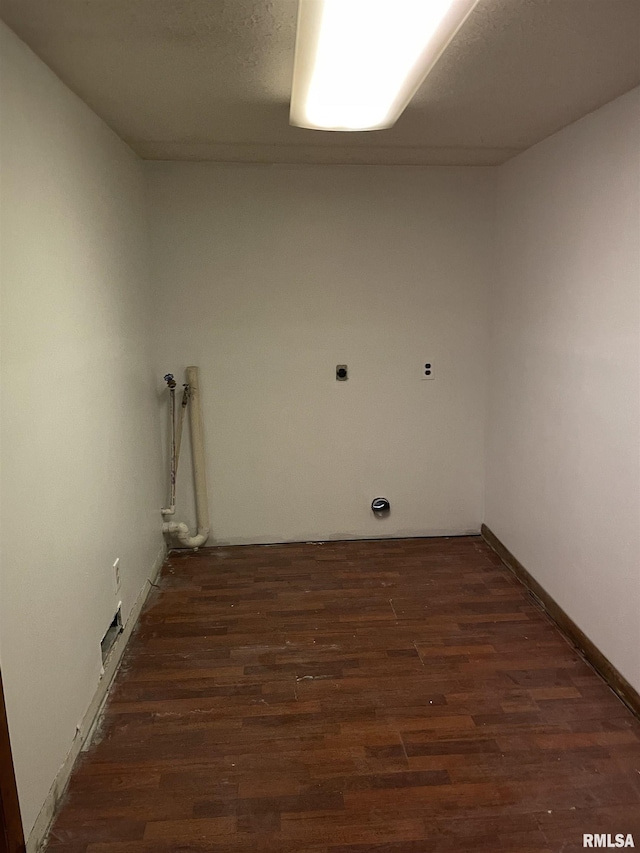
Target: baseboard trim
(591,653)
(331,539)
(85,731)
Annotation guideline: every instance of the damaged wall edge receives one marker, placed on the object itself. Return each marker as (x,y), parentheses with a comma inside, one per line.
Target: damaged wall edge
(86,729)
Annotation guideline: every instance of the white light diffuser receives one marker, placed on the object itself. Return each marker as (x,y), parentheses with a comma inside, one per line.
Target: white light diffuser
(358,63)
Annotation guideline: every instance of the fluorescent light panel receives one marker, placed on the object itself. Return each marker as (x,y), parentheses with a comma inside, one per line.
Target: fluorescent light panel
(358,63)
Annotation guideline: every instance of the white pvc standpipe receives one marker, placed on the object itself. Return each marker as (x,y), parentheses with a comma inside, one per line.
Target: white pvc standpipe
(180,530)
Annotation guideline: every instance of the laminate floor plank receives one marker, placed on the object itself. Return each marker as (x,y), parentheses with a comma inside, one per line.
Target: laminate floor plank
(397,696)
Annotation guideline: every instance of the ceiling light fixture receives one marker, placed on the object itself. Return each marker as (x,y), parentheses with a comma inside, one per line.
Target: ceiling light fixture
(358,63)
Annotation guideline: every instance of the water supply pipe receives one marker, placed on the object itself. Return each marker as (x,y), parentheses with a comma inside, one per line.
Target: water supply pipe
(176,438)
(180,529)
(171,382)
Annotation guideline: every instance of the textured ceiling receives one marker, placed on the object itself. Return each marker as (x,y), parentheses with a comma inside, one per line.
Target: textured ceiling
(210,79)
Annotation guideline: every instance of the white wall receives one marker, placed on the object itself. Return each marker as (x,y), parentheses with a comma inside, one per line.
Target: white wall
(563,469)
(80,443)
(270,276)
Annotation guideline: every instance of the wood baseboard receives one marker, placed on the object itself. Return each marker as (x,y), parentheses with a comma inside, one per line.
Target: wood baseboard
(591,653)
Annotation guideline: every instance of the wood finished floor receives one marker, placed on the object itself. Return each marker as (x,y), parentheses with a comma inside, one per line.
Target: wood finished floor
(403,696)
